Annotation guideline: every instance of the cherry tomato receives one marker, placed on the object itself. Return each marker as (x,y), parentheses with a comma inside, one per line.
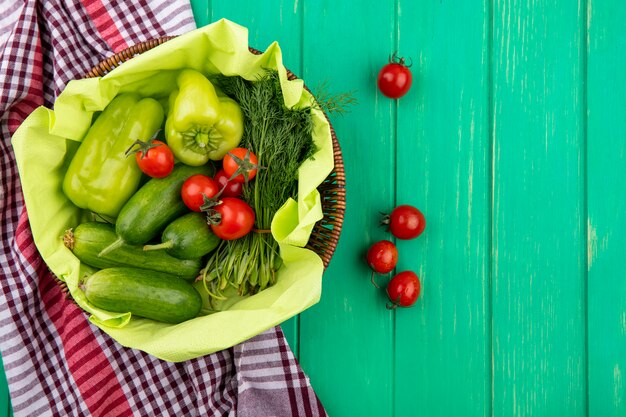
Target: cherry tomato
(382,256)
(231,218)
(195,188)
(395,78)
(155,160)
(405,222)
(240,165)
(227,187)
(403,290)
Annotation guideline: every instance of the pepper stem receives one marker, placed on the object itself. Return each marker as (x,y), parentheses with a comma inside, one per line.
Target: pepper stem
(202,139)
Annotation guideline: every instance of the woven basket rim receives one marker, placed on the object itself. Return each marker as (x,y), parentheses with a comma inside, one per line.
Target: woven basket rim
(326,232)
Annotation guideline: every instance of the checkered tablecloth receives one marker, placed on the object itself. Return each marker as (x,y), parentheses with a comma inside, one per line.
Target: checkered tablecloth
(56,362)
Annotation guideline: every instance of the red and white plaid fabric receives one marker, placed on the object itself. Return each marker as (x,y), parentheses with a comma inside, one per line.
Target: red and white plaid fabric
(56,362)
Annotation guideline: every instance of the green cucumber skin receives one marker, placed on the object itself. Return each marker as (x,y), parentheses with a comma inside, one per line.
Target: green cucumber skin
(191,237)
(149,294)
(91,237)
(155,204)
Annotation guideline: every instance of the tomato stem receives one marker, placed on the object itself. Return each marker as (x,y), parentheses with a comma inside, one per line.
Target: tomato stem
(244,166)
(393,304)
(373,279)
(386,219)
(394,58)
(142,146)
(208,206)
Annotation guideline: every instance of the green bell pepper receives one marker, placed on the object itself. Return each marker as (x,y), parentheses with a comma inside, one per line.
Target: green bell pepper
(201,124)
(100,177)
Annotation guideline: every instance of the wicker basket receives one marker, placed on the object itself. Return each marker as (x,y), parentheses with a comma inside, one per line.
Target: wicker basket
(325,235)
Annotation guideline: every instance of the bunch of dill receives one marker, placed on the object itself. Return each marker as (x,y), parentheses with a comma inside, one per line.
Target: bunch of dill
(282,140)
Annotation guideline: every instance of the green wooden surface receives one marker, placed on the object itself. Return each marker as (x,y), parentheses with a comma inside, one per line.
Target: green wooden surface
(351,329)
(539,247)
(513,143)
(443,168)
(606,207)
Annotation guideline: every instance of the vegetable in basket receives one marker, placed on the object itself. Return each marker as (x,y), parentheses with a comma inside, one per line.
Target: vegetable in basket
(100,177)
(227,187)
(154,158)
(240,165)
(230,218)
(196,189)
(150,294)
(281,138)
(202,124)
(154,206)
(88,239)
(187,237)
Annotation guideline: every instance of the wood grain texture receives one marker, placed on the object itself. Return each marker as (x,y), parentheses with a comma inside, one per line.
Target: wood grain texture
(443,357)
(538,264)
(201,12)
(349,339)
(606,184)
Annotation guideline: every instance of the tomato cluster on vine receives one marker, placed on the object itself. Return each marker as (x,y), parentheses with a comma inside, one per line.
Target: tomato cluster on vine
(219,196)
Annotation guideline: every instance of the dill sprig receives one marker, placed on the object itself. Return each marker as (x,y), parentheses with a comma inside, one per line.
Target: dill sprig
(282,140)
(333,103)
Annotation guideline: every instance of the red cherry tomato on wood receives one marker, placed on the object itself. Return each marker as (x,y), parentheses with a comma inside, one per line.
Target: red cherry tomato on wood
(195,188)
(403,290)
(395,78)
(382,256)
(405,222)
(227,187)
(157,161)
(235,218)
(240,163)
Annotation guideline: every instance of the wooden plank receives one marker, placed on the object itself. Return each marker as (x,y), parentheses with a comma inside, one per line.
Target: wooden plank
(606,182)
(346,340)
(539,244)
(443,358)
(201,12)
(279,20)
(267,22)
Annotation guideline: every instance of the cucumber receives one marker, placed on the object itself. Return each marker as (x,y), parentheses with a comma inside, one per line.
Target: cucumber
(88,239)
(149,294)
(153,206)
(188,237)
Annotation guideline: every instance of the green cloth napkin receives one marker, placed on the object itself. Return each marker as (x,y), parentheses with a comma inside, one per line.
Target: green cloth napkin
(47,139)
